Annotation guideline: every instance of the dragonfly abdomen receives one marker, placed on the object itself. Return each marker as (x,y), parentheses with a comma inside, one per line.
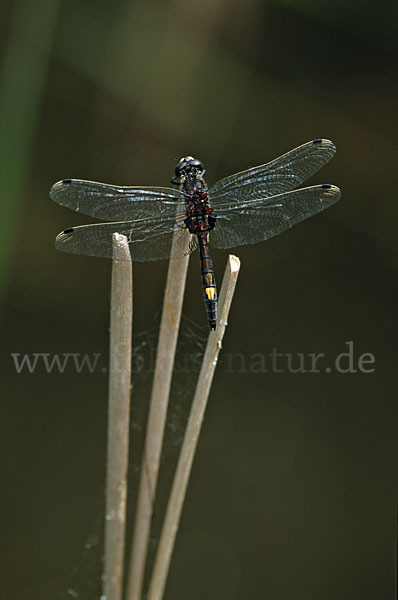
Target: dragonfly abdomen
(209,282)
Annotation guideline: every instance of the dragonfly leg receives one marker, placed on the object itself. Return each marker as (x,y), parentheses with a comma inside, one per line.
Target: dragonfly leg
(211,219)
(190,225)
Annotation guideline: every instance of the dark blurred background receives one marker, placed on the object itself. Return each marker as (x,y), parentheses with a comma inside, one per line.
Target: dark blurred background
(293,491)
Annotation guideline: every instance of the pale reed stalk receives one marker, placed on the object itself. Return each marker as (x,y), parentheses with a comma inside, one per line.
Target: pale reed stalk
(169,327)
(118,417)
(180,483)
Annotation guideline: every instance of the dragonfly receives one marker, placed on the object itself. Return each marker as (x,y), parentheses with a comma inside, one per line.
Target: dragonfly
(245,208)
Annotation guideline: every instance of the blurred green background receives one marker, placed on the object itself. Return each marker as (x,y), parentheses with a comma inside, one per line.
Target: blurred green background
(293,491)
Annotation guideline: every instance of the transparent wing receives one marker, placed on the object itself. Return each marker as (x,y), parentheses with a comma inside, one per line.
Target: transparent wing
(261,219)
(116,203)
(280,175)
(96,240)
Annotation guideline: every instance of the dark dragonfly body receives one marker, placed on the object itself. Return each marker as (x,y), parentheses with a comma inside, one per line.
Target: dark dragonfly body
(199,221)
(244,208)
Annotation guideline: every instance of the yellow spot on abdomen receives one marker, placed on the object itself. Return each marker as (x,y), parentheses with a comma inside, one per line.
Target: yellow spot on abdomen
(210,292)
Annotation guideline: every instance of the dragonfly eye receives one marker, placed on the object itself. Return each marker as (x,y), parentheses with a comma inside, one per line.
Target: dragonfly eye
(195,167)
(196,164)
(183,163)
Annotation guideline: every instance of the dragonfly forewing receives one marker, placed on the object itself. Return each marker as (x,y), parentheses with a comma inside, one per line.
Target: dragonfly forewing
(276,177)
(117,203)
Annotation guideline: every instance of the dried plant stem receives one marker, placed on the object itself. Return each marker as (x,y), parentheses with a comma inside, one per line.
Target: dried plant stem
(118,417)
(171,316)
(177,495)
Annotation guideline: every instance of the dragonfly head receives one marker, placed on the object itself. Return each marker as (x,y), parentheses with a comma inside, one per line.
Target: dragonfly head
(188,168)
